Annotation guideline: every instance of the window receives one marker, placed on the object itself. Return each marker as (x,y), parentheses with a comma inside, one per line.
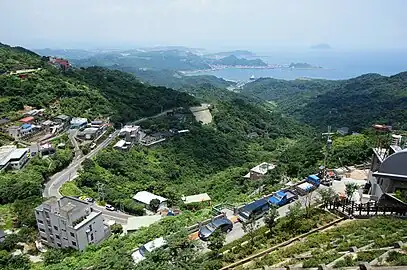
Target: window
(91,237)
(59,244)
(40,221)
(90,227)
(74,243)
(57,236)
(55,228)
(38,212)
(72,234)
(42,230)
(43,238)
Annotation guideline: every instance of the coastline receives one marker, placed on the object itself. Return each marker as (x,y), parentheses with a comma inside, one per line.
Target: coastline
(215,68)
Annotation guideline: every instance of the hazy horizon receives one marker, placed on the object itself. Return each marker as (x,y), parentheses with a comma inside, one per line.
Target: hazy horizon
(259,25)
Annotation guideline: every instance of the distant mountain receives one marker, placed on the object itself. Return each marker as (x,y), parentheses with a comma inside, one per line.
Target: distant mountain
(237,53)
(235,61)
(176,80)
(156,59)
(321,46)
(302,65)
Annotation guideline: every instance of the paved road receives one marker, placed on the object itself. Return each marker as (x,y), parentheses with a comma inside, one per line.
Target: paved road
(56,181)
(238,231)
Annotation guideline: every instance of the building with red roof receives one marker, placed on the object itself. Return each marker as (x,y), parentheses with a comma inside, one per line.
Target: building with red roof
(26,120)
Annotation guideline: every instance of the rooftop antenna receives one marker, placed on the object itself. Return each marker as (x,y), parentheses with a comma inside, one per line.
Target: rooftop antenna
(328,146)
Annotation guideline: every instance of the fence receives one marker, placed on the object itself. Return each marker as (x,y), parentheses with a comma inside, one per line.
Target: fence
(366,210)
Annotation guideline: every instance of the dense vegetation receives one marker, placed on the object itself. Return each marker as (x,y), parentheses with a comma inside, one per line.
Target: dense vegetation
(355,103)
(326,246)
(232,60)
(175,79)
(209,159)
(89,93)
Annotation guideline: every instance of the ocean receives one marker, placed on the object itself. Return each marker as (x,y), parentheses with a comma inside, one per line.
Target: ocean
(337,65)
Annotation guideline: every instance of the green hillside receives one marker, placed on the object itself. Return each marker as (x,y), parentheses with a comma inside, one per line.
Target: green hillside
(356,103)
(87,92)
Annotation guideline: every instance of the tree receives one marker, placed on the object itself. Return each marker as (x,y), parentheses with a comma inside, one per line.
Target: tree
(308,199)
(350,188)
(53,256)
(154,204)
(116,228)
(270,218)
(326,195)
(250,227)
(216,241)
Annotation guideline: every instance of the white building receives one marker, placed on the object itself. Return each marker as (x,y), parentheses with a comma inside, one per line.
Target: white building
(70,223)
(145,197)
(12,157)
(79,122)
(259,171)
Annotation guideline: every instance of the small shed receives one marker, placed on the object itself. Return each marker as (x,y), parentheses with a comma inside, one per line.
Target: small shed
(145,197)
(27,119)
(198,198)
(135,223)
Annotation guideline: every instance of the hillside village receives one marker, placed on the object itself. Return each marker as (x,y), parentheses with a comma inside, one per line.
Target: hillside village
(82,207)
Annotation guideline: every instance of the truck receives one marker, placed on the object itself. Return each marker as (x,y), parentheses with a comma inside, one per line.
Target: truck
(253,210)
(311,183)
(282,197)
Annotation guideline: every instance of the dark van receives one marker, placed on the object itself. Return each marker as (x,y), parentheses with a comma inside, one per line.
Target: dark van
(254,210)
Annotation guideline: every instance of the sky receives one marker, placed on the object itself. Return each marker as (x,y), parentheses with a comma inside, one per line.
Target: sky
(211,24)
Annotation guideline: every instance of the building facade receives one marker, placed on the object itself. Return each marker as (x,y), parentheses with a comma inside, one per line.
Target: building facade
(388,171)
(70,223)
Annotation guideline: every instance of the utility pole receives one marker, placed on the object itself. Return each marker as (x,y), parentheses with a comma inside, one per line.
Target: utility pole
(101,191)
(328,146)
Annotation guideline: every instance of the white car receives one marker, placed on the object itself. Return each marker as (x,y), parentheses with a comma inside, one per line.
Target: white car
(109,207)
(139,254)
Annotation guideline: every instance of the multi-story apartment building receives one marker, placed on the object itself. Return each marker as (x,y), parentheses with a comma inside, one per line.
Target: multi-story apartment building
(70,223)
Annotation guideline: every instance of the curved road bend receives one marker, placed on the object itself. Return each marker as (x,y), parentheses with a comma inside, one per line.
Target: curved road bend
(56,181)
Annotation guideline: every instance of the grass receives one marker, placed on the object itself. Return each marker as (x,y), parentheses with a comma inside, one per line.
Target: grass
(70,189)
(325,247)
(6,216)
(396,259)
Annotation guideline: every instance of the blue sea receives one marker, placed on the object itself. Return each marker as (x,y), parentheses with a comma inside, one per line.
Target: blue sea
(336,65)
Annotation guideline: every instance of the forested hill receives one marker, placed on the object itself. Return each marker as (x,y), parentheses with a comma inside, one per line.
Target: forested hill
(89,92)
(356,103)
(360,102)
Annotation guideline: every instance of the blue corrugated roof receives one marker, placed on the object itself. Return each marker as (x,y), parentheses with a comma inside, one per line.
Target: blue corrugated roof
(313,177)
(25,126)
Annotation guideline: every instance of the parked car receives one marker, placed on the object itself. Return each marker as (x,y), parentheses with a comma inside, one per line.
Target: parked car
(222,223)
(110,207)
(139,254)
(89,200)
(254,210)
(110,135)
(283,197)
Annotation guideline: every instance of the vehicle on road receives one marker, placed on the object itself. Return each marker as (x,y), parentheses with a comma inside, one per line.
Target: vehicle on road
(110,135)
(139,254)
(89,200)
(222,223)
(254,210)
(283,197)
(110,207)
(310,184)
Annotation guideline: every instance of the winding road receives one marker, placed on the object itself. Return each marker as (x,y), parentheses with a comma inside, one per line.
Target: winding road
(56,181)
